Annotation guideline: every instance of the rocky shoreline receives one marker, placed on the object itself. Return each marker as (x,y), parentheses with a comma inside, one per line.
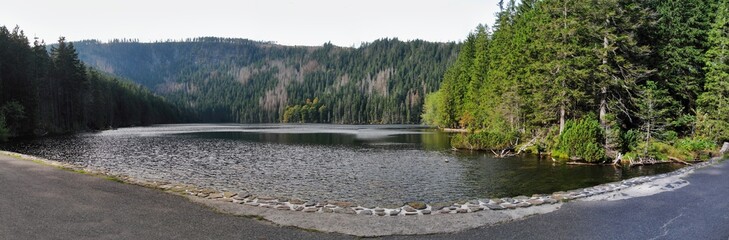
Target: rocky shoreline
(409,209)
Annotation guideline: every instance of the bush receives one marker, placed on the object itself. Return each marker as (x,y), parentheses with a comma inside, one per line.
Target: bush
(582,139)
(4,132)
(629,140)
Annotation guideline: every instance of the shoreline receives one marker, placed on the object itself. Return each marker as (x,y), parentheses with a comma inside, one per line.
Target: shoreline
(416,218)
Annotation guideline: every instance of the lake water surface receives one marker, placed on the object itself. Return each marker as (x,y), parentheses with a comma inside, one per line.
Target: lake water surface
(384,165)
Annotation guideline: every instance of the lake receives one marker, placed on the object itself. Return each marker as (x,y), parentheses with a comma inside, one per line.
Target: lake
(376,165)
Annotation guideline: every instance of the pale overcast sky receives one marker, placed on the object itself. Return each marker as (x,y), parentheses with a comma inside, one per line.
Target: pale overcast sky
(310,22)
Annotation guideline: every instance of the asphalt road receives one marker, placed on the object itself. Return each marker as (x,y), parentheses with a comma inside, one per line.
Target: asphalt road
(41,202)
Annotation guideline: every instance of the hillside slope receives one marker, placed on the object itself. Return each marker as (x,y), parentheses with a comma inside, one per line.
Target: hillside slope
(238,80)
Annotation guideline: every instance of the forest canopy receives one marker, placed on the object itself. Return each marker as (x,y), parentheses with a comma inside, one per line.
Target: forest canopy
(643,78)
(53,92)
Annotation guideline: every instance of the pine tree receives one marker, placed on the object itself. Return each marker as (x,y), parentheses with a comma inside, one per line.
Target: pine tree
(714,101)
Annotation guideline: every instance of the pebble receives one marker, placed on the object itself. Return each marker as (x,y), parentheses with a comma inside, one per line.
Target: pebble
(345,210)
(409,209)
(417,208)
(495,207)
(311,210)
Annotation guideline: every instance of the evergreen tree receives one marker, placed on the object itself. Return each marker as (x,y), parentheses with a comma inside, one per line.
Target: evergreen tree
(714,101)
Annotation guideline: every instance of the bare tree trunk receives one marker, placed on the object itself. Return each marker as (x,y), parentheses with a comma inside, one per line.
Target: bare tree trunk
(561,118)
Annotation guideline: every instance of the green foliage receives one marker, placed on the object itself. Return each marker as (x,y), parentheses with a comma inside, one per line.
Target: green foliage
(639,67)
(433,110)
(713,117)
(695,145)
(581,139)
(45,92)
(629,140)
(485,140)
(13,114)
(4,132)
(310,112)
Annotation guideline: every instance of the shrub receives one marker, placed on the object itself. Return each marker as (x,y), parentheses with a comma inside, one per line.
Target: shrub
(582,139)
(4,132)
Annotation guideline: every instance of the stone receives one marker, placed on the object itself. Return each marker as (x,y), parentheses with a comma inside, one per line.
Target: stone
(508,205)
(365,212)
(550,201)
(282,207)
(495,207)
(203,195)
(380,213)
(444,210)
(311,209)
(327,210)
(724,148)
(296,201)
(225,199)
(425,212)
(474,209)
(497,200)
(379,209)
(417,205)
(253,204)
(411,213)
(299,208)
(536,202)
(461,210)
(242,195)
(345,210)
(266,198)
(342,204)
(523,204)
(394,212)
(283,199)
(215,196)
(229,194)
(508,200)
(521,198)
(309,204)
(409,209)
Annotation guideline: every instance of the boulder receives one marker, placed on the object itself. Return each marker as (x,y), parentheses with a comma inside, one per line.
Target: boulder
(724,148)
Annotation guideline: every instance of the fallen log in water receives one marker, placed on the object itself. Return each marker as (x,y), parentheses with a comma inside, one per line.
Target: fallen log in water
(679,161)
(584,163)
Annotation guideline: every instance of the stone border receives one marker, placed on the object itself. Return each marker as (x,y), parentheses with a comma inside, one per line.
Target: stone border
(410,209)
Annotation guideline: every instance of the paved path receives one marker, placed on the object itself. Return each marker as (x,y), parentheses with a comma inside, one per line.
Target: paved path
(42,202)
(697,211)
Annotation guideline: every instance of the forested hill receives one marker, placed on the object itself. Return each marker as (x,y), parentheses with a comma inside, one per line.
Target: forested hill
(238,80)
(589,79)
(53,92)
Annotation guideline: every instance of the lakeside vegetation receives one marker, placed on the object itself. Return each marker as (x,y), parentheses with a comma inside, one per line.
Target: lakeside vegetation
(53,92)
(592,80)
